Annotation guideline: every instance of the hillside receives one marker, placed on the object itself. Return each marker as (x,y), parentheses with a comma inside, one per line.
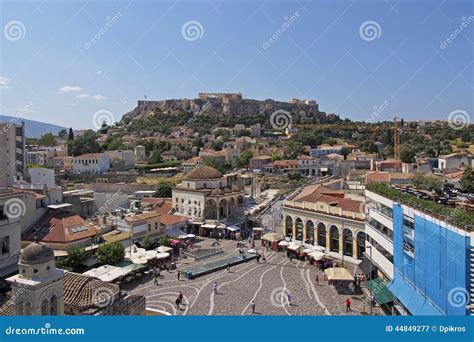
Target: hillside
(34,129)
(221,110)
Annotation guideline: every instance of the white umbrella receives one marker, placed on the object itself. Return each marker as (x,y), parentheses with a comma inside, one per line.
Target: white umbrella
(164,249)
(184,236)
(319,248)
(252,251)
(190,236)
(283,243)
(162,255)
(138,260)
(308,250)
(149,255)
(317,255)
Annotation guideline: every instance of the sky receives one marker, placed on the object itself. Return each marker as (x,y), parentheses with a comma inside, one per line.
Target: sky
(64,62)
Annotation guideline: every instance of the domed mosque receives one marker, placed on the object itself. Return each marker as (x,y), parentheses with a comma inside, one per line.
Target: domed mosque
(207,194)
(41,289)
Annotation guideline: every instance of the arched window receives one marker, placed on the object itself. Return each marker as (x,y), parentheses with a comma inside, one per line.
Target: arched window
(322,234)
(347,242)
(45,310)
(288,226)
(310,232)
(299,229)
(334,241)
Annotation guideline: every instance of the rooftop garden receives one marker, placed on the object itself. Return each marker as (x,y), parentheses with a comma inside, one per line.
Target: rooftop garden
(454,216)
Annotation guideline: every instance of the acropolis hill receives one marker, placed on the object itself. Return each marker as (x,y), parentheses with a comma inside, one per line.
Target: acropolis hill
(230,104)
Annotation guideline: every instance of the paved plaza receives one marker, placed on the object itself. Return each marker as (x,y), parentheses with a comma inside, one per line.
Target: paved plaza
(267,283)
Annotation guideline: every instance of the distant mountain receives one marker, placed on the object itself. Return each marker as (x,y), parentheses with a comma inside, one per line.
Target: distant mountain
(34,129)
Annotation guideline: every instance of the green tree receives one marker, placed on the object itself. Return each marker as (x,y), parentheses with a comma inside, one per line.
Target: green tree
(149,243)
(467,181)
(244,159)
(84,144)
(71,134)
(293,150)
(164,190)
(294,175)
(165,240)
(217,164)
(407,154)
(244,133)
(62,133)
(110,253)
(75,255)
(46,139)
(156,157)
(218,145)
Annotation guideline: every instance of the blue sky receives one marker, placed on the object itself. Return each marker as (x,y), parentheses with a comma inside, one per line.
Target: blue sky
(52,70)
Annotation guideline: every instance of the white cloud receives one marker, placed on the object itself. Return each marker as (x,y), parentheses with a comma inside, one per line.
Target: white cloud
(82,96)
(99,97)
(69,89)
(4,82)
(92,97)
(99,72)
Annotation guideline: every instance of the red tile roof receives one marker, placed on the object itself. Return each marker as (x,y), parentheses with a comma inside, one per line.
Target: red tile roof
(61,228)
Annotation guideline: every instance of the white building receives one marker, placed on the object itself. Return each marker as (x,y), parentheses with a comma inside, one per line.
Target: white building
(92,163)
(40,176)
(379,230)
(454,161)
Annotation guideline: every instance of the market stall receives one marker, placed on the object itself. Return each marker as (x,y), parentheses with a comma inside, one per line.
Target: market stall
(340,278)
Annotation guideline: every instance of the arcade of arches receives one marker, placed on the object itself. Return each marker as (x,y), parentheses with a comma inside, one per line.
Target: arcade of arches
(348,241)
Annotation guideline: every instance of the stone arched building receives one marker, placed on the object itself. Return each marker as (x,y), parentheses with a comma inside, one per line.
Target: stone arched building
(325,217)
(206,194)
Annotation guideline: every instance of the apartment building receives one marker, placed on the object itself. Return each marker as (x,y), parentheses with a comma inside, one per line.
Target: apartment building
(12,153)
(424,257)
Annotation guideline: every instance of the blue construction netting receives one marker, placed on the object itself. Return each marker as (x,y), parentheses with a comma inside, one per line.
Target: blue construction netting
(430,281)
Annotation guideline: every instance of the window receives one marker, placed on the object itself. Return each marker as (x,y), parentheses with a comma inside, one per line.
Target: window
(156,225)
(5,245)
(149,227)
(3,215)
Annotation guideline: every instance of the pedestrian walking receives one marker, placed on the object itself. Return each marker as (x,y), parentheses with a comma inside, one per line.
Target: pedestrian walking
(215,287)
(177,301)
(289,298)
(228,267)
(180,297)
(317,280)
(291,257)
(348,304)
(252,305)
(179,275)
